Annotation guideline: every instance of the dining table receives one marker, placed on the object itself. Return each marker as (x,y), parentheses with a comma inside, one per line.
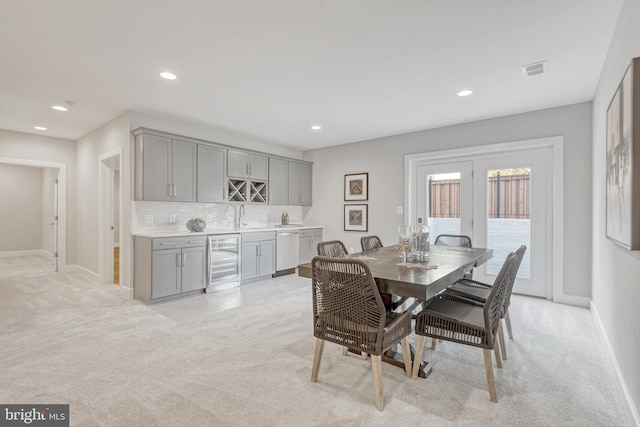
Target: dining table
(400,280)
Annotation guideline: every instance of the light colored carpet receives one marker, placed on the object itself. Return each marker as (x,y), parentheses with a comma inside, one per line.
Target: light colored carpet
(247,362)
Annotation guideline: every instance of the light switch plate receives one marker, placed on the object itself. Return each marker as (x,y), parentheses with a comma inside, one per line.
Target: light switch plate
(172,218)
(148,219)
(209,218)
(399,209)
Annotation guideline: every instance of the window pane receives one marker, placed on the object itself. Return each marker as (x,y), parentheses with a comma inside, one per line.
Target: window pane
(443,195)
(508,216)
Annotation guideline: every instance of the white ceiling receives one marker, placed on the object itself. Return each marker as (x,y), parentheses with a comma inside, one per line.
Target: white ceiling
(271,69)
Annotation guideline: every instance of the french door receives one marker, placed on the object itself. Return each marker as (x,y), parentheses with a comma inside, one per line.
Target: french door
(500,200)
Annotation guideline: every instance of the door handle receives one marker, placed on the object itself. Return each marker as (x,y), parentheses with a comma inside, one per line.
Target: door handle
(184,259)
(178,260)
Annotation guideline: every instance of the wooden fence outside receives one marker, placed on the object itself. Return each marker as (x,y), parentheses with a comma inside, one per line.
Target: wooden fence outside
(509,197)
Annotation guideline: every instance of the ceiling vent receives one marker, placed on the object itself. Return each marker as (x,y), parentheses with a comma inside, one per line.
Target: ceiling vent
(535,69)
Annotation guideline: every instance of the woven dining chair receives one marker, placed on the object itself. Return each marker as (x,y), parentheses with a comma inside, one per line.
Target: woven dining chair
(473,290)
(455,240)
(348,310)
(333,249)
(370,242)
(458,241)
(465,323)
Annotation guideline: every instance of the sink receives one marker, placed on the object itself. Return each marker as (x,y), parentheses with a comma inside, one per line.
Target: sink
(288,225)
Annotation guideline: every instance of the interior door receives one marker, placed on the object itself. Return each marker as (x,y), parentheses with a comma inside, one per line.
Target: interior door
(445,198)
(514,206)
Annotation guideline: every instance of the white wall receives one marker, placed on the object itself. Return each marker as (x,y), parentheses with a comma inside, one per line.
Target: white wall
(616,271)
(21,211)
(49,176)
(112,136)
(383,159)
(17,145)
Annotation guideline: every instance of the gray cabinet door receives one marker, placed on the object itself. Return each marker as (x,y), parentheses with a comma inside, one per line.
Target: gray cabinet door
(211,173)
(278,181)
(306,251)
(194,261)
(183,171)
(267,258)
(156,168)
(238,164)
(166,273)
(300,184)
(250,266)
(258,166)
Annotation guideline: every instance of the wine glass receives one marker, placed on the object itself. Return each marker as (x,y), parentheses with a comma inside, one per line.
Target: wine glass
(404,241)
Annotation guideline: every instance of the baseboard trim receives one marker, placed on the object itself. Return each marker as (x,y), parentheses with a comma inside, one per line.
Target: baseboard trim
(631,408)
(5,254)
(573,300)
(84,272)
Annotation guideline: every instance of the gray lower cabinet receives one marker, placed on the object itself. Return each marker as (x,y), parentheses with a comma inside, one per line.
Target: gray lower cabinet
(258,255)
(309,240)
(166,268)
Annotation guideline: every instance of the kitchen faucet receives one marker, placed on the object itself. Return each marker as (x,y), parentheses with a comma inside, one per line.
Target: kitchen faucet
(240,216)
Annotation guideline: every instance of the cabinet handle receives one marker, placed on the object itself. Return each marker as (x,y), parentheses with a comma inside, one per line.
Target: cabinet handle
(168,243)
(175,190)
(246,168)
(178,260)
(258,251)
(184,259)
(195,241)
(170,190)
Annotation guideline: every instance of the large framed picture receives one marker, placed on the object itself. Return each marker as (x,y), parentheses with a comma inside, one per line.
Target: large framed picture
(356,218)
(356,186)
(623,161)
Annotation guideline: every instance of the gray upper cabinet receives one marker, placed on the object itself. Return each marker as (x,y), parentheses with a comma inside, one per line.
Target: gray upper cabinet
(242,164)
(165,169)
(300,183)
(278,181)
(211,173)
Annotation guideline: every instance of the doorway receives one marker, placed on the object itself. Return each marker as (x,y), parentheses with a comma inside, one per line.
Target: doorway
(54,217)
(110,214)
(501,196)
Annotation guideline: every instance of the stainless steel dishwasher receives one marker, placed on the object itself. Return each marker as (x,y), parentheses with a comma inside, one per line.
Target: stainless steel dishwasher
(287,251)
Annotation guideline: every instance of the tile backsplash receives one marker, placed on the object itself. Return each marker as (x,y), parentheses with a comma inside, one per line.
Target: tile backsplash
(170,216)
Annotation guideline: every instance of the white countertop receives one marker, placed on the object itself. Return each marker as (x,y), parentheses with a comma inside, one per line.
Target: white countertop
(247,229)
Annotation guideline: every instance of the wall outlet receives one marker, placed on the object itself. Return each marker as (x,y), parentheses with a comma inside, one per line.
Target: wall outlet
(399,210)
(209,218)
(148,219)
(264,217)
(172,218)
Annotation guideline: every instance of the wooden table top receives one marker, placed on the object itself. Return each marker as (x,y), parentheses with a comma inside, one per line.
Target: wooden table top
(414,279)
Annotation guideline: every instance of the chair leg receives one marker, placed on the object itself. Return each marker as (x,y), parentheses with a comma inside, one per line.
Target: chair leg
(376,365)
(317,357)
(345,351)
(508,322)
(433,343)
(496,350)
(406,355)
(488,366)
(363,355)
(503,347)
(417,358)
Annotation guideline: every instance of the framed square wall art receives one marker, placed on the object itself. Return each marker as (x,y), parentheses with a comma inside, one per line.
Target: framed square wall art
(356,187)
(356,218)
(623,161)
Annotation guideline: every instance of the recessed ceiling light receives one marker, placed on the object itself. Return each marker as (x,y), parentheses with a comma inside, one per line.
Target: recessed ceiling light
(167,75)
(465,93)
(316,127)
(40,128)
(60,108)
